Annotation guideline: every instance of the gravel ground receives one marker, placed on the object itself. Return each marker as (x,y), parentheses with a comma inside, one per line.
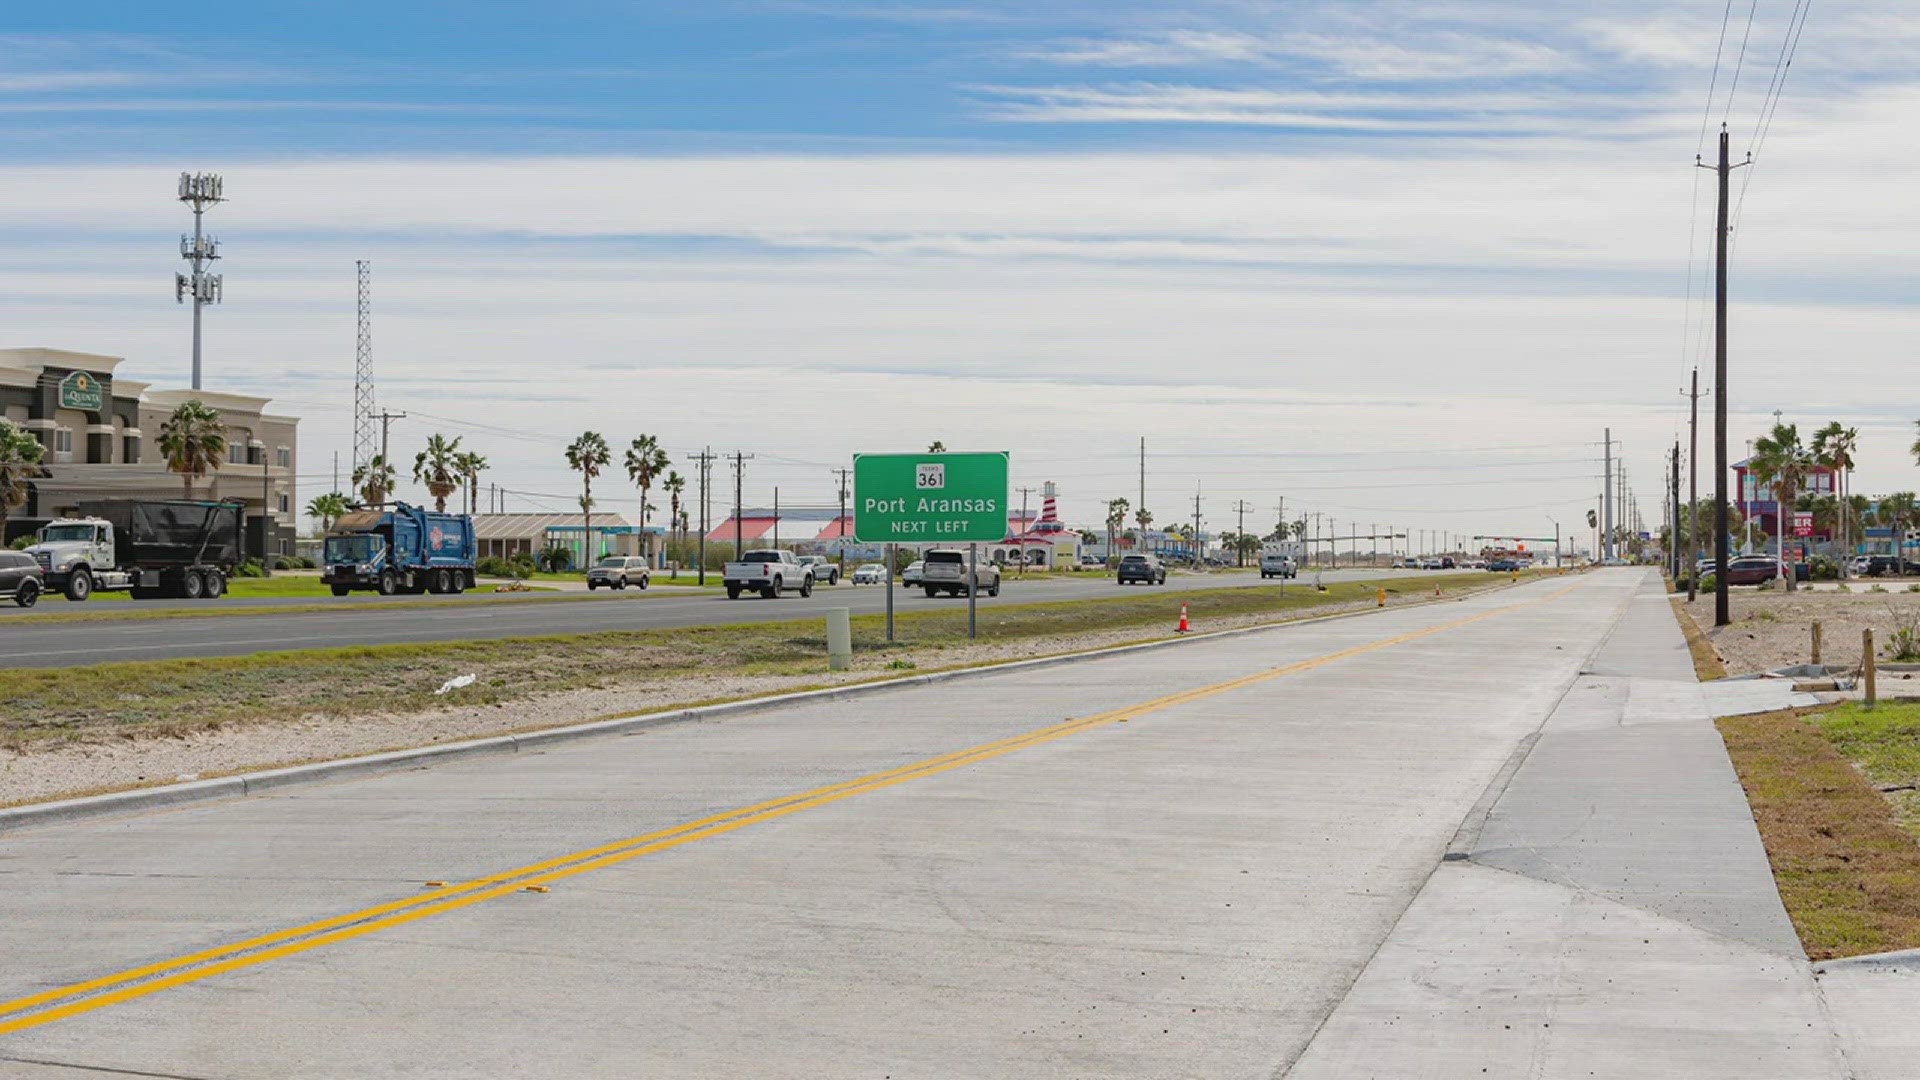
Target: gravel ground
(87,768)
(1774,629)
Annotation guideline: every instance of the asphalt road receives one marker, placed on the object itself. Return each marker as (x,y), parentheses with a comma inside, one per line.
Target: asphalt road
(991,877)
(29,641)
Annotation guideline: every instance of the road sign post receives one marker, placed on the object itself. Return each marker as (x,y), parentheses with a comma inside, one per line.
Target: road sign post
(932,498)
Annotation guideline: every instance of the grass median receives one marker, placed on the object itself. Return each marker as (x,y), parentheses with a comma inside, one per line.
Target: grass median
(46,707)
(1833,792)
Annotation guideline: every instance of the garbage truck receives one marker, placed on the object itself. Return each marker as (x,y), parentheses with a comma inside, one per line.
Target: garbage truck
(153,548)
(399,549)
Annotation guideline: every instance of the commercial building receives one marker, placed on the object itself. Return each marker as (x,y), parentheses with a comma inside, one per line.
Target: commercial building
(506,535)
(101,434)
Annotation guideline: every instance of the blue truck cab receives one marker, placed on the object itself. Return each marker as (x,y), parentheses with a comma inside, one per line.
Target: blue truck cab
(402,549)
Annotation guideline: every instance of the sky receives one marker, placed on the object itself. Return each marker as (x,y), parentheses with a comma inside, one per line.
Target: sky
(1395,263)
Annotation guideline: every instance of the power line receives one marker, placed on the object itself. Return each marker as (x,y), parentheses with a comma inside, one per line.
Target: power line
(1733,87)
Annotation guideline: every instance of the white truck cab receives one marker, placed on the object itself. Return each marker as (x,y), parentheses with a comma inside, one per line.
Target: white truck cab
(76,554)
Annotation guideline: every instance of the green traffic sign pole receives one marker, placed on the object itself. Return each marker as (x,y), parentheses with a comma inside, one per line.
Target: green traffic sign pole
(973,587)
(931,498)
(893,556)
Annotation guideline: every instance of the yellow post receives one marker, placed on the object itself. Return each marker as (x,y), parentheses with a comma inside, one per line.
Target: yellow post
(1383,598)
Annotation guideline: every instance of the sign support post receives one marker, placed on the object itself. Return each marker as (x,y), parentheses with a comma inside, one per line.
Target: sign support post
(893,556)
(973,586)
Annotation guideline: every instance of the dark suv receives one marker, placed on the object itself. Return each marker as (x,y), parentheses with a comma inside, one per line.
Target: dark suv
(1882,565)
(1142,568)
(20,577)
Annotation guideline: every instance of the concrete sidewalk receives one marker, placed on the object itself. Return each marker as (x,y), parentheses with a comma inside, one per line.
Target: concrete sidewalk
(1614,915)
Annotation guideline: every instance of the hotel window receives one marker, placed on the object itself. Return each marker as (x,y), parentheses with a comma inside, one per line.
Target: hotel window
(236,454)
(63,440)
(286,504)
(283,458)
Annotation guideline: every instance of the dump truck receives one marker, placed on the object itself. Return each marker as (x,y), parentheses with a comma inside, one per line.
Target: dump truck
(153,548)
(399,549)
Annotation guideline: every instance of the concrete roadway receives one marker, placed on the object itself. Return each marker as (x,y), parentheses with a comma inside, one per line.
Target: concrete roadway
(28,642)
(1216,860)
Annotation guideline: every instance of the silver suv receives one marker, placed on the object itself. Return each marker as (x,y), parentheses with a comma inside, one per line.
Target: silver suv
(619,571)
(946,572)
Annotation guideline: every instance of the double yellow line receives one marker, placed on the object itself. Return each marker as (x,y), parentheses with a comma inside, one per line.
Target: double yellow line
(62,1002)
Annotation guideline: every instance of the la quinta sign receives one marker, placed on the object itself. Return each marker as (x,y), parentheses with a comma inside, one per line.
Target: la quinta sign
(930,498)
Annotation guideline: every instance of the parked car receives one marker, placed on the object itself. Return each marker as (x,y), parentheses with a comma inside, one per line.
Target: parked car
(825,570)
(1752,569)
(1884,565)
(21,578)
(1089,560)
(1145,569)
(870,574)
(949,572)
(1431,562)
(620,571)
(911,575)
(1273,564)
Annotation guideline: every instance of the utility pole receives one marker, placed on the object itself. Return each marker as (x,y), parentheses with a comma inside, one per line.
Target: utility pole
(840,528)
(1673,527)
(1196,528)
(739,477)
(705,460)
(1240,533)
(1024,527)
(1606,496)
(776,518)
(386,421)
(1693,491)
(1722,615)
(1142,505)
(199,190)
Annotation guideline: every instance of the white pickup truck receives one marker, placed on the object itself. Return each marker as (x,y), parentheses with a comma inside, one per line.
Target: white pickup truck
(769,573)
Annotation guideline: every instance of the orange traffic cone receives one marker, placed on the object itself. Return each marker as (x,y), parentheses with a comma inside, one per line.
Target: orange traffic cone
(1183,627)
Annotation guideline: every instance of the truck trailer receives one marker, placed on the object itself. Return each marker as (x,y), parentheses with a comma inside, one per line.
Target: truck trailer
(402,549)
(156,549)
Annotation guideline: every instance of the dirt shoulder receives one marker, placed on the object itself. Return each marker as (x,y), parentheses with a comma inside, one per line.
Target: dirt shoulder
(1774,629)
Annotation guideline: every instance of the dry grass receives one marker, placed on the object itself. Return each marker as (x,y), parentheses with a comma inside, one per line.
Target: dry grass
(1707,665)
(40,708)
(1848,873)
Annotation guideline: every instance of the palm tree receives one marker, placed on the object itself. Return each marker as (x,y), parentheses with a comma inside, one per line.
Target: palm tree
(645,462)
(438,467)
(1900,512)
(675,484)
(195,442)
(373,480)
(1116,517)
(470,465)
(1780,461)
(1915,448)
(587,455)
(20,455)
(1833,447)
(938,447)
(327,508)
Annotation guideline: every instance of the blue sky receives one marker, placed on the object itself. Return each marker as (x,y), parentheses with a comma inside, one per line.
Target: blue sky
(1327,251)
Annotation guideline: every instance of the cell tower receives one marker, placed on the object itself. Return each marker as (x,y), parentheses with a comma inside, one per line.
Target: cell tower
(366,436)
(199,190)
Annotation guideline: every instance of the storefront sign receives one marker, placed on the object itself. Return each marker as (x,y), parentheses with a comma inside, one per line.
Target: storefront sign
(80,390)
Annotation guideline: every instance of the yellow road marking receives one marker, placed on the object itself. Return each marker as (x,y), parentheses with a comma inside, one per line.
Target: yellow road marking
(152,978)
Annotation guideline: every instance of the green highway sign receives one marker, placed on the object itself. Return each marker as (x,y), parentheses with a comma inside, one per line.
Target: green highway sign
(935,498)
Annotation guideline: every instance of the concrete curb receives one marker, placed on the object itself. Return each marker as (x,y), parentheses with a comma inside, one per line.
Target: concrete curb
(1902,960)
(256,783)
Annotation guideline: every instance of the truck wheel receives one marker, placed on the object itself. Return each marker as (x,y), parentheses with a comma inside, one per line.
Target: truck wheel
(779,589)
(442,582)
(806,587)
(341,590)
(192,585)
(216,585)
(459,582)
(591,585)
(932,592)
(733,592)
(995,591)
(79,585)
(388,584)
(28,594)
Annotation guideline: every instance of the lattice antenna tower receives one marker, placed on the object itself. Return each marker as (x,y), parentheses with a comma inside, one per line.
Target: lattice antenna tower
(366,434)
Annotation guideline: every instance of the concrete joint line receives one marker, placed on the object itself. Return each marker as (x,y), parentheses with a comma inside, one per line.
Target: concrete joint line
(256,783)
